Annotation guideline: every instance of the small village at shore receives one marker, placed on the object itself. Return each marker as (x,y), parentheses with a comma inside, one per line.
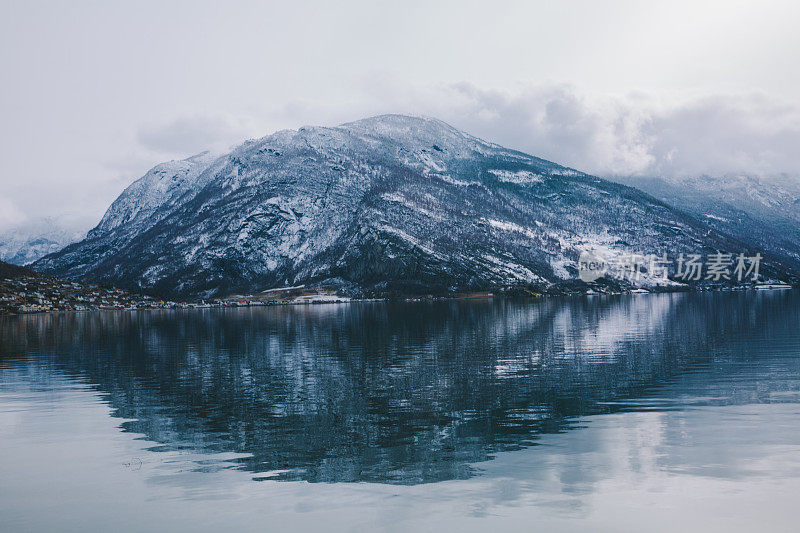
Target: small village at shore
(24,291)
(35,294)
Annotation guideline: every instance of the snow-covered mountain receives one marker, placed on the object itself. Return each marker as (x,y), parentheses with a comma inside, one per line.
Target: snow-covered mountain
(389,204)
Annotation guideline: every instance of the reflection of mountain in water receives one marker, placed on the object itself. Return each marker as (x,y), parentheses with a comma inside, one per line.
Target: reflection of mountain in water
(401,393)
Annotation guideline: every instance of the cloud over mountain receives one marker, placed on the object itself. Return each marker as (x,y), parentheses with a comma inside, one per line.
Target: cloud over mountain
(633,134)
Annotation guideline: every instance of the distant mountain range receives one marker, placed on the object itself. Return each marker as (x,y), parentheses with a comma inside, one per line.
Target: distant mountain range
(33,239)
(386,205)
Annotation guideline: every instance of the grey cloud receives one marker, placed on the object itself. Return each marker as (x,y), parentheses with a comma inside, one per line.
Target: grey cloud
(192,134)
(635,134)
(631,135)
(10,214)
(726,135)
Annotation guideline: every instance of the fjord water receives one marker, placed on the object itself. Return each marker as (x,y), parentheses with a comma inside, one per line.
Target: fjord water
(654,412)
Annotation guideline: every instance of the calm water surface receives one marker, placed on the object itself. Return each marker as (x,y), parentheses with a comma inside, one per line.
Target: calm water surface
(630,413)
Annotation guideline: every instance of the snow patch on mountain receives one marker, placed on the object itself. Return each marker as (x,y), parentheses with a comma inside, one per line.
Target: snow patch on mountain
(520,177)
(510,226)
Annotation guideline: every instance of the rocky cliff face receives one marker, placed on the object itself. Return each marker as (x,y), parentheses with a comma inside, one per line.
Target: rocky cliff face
(390,204)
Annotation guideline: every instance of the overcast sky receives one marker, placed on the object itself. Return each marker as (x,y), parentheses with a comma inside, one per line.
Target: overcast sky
(92,94)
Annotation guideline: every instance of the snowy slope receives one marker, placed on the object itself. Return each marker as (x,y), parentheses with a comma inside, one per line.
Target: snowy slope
(765,210)
(149,198)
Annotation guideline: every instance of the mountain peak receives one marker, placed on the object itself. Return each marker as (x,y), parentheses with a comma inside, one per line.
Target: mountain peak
(397,120)
(162,184)
(404,126)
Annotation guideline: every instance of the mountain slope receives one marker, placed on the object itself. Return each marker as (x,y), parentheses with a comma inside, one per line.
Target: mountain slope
(766,211)
(390,204)
(10,271)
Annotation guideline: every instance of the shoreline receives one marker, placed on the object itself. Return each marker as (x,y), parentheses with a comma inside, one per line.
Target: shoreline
(412,299)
